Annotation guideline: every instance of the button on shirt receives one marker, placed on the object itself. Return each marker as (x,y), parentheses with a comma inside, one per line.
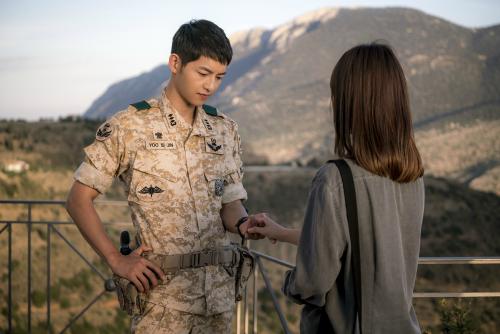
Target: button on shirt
(177,177)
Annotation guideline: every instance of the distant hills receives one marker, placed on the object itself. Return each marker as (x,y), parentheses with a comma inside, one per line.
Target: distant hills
(277,85)
(458,221)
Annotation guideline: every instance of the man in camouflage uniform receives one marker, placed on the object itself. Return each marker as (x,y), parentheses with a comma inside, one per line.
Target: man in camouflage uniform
(180,162)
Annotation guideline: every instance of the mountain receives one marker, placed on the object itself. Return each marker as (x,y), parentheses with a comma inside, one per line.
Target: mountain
(119,95)
(277,86)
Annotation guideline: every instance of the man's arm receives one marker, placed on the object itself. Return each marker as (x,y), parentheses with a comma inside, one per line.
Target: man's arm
(232,212)
(80,206)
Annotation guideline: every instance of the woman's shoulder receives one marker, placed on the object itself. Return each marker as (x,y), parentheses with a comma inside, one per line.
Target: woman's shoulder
(330,175)
(327,175)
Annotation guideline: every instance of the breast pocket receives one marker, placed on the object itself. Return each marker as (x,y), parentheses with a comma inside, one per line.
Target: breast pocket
(153,178)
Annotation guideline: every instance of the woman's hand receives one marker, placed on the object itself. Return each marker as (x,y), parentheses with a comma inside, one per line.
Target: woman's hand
(263,225)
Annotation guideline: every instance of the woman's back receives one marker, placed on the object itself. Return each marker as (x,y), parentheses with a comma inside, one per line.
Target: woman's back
(373,127)
(390,218)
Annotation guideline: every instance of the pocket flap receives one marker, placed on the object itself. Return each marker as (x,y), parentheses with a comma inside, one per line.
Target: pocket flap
(148,163)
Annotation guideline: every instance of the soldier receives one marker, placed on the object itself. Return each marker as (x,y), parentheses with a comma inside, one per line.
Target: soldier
(180,162)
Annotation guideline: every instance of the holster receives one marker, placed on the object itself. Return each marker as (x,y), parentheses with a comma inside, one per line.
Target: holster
(131,300)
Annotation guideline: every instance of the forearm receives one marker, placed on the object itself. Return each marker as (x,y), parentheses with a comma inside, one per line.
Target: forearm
(82,211)
(290,235)
(231,213)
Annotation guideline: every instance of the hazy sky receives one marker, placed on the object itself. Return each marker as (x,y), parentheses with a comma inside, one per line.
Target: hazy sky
(57,56)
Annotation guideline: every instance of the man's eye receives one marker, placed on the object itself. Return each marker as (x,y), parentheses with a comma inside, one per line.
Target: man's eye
(203,74)
(219,78)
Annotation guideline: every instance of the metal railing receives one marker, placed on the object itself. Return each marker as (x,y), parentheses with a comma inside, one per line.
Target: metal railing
(242,311)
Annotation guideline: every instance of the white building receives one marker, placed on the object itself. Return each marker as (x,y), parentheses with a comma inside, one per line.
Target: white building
(17,166)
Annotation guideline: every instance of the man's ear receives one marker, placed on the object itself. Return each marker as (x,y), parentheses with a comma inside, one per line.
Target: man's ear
(174,63)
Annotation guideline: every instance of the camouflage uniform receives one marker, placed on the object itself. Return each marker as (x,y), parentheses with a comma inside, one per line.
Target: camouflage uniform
(177,177)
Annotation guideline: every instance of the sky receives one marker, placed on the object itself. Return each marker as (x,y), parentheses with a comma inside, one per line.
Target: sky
(57,56)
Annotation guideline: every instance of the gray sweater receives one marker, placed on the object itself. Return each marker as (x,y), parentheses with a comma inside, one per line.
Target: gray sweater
(390,219)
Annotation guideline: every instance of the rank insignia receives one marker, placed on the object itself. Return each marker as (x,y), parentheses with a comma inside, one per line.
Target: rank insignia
(219,187)
(171,120)
(151,190)
(207,124)
(213,145)
(104,132)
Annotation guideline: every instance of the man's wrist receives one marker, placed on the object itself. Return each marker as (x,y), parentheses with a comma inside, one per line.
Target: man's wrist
(242,226)
(111,258)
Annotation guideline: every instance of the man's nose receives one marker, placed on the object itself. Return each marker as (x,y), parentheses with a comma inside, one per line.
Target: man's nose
(210,84)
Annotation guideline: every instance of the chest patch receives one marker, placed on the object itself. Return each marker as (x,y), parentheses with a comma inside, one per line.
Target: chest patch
(214,145)
(151,190)
(158,135)
(161,145)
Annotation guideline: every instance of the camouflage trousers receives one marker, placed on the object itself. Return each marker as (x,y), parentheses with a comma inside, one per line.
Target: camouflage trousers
(158,319)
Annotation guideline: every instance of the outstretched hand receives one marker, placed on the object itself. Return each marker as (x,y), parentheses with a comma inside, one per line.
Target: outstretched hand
(264,226)
(143,273)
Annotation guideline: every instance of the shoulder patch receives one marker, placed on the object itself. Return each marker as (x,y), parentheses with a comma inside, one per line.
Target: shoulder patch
(142,105)
(212,111)
(104,132)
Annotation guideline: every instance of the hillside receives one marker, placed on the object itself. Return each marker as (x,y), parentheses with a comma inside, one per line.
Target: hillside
(277,85)
(458,221)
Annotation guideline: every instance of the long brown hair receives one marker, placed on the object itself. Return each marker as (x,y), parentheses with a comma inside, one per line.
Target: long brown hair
(371,113)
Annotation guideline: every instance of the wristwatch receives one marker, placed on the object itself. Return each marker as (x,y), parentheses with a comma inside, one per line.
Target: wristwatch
(239,223)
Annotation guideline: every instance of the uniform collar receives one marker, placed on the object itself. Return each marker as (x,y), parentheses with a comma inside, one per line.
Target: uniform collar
(203,125)
(173,120)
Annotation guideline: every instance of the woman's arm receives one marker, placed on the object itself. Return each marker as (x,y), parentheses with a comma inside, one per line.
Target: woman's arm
(274,231)
(321,246)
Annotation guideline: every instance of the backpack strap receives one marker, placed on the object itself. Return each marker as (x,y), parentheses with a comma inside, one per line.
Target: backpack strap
(352,219)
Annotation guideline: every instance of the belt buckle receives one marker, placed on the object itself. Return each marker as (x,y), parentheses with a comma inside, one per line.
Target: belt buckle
(201,259)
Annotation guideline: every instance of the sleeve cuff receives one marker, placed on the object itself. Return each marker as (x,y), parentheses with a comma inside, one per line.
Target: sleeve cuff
(233,192)
(92,177)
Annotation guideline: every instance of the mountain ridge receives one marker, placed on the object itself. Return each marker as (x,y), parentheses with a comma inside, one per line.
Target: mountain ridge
(277,87)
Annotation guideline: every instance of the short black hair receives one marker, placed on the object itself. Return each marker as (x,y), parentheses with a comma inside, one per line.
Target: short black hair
(201,38)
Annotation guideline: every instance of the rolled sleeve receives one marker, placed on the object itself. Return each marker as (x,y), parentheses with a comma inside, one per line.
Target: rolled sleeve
(103,158)
(92,177)
(233,192)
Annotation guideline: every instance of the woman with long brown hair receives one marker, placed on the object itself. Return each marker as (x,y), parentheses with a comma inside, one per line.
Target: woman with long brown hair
(373,134)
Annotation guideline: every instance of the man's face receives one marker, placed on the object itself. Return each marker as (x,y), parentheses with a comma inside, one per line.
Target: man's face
(198,80)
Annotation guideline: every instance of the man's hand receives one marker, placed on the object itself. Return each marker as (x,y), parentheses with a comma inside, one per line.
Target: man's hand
(143,273)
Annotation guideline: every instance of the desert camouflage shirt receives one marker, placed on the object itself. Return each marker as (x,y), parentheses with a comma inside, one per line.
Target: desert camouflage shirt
(177,177)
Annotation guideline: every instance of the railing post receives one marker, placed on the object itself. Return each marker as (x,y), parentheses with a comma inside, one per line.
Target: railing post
(245,309)
(255,295)
(48,277)
(238,318)
(245,312)
(29,267)
(277,307)
(9,242)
